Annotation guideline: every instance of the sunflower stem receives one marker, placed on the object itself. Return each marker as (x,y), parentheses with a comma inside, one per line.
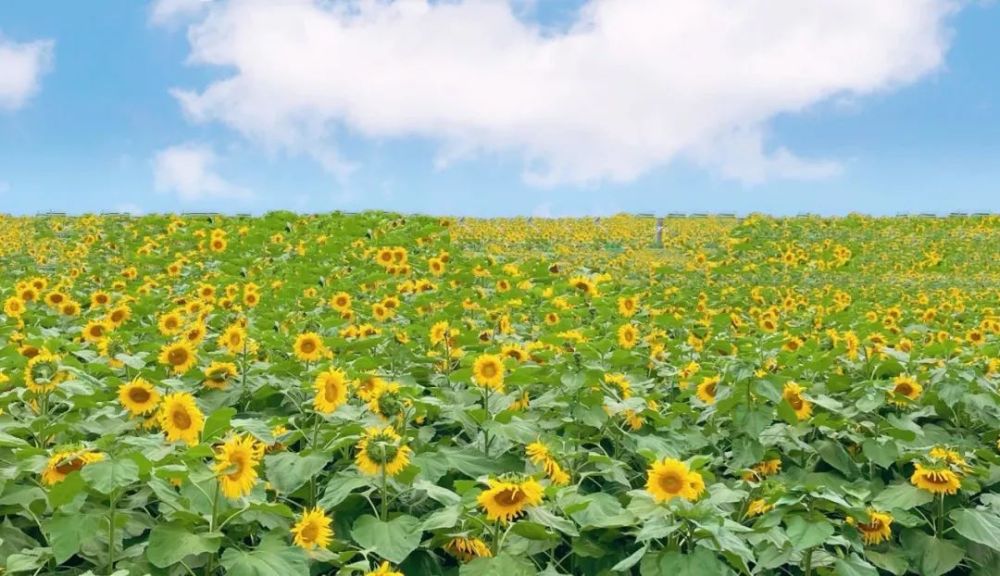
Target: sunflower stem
(210,567)
(809,562)
(111,534)
(486,432)
(939,521)
(384,504)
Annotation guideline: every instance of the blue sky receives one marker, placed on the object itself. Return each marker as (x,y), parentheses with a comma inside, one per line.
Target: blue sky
(104,125)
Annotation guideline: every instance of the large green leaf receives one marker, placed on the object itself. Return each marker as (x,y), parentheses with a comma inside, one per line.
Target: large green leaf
(978,526)
(902,497)
(66,534)
(807,532)
(108,475)
(272,558)
(392,540)
(171,543)
(288,471)
(502,565)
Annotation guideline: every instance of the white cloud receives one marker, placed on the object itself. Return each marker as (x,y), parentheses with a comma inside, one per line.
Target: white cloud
(629,86)
(187,170)
(21,68)
(166,12)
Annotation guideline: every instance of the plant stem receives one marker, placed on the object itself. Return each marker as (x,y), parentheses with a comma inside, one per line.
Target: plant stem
(210,568)
(111,535)
(486,432)
(809,562)
(384,510)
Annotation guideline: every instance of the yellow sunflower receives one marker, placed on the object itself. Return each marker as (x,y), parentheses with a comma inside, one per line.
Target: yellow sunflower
(96,330)
(180,418)
(877,528)
(218,375)
(384,570)
(505,500)
(670,478)
(170,323)
(236,465)
(793,395)
(138,397)
(309,347)
(119,315)
(62,464)
(937,481)
(180,356)
(13,307)
(628,335)
(905,389)
(233,339)
(758,507)
(382,449)
(341,302)
(628,305)
(488,371)
(331,391)
(42,373)
(468,549)
(708,389)
(312,530)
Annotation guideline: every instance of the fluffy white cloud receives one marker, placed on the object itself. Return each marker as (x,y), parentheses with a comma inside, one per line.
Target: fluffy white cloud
(187,170)
(21,68)
(629,86)
(170,11)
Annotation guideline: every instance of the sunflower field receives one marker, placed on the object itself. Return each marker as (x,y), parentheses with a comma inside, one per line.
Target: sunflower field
(293,395)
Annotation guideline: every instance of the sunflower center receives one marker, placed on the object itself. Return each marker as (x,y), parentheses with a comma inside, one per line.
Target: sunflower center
(936,477)
(139,395)
(904,388)
(97,331)
(308,346)
(239,461)
(795,400)
(181,419)
(489,370)
(310,532)
(178,356)
(509,497)
(331,391)
(69,466)
(671,483)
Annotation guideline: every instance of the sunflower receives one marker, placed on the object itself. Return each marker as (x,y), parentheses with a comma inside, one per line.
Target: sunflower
(708,389)
(341,302)
(195,333)
(219,374)
(905,389)
(366,386)
(236,465)
(506,499)
(233,339)
(937,481)
(13,307)
(180,418)
(696,485)
(180,356)
(170,323)
(584,285)
(62,464)
(119,315)
(312,530)
(669,478)
(627,336)
(42,373)
(138,397)
(468,549)
(488,371)
(309,347)
(96,330)
(439,332)
(382,450)
(876,530)
(385,400)
(384,570)
(55,298)
(331,391)
(99,298)
(758,507)
(793,395)
(540,455)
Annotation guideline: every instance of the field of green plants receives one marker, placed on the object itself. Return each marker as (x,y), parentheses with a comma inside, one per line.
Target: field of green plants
(373,393)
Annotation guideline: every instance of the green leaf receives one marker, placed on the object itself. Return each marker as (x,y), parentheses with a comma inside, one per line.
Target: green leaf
(66,533)
(854,566)
(502,565)
(171,543)
(64,492)
(392,540)
(217,424)
(834,454)
(931,555)
(699,563)
(978,526)
(272,558)
(339,488)
(807,533)
(882,454)
(288,471)
(902,497)
(107,475)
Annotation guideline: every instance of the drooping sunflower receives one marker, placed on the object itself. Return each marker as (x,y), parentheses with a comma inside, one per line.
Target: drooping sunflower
(382,449)
(138,397)
(792,394)
(507,498)
(309,347)
(312,530)
(708,389)
(62,464)
(758,507)
(180,356)
(905,389)
(236,465)
(488,370)
(331,391)
(876,529)
(218,375)
(468,549)
(935,480)
(181,418)
(670,478)
(384,569)
(42,373)
(386,401)
(540,455)
(628,335)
